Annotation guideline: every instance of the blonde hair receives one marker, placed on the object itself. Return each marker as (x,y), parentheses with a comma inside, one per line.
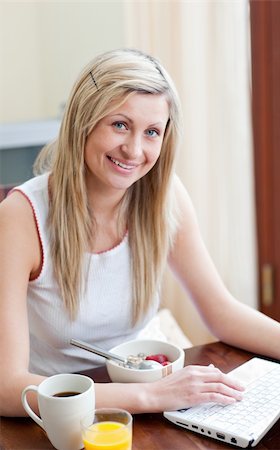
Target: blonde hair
(103,85)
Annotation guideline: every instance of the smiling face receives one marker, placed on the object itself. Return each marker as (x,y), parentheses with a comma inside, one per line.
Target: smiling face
(126,143)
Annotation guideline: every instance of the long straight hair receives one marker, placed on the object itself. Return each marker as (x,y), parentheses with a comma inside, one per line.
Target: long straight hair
(148,205)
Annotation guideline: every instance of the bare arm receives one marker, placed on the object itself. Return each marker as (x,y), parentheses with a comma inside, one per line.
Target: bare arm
(19,257)
(227,318)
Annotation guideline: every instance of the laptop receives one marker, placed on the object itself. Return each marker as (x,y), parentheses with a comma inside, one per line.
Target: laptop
(243,423)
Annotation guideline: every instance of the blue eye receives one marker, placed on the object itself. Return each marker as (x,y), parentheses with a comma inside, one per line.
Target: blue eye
(119,125)
(152,133)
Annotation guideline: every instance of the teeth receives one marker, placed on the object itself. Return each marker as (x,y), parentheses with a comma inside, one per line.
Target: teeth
(118,163)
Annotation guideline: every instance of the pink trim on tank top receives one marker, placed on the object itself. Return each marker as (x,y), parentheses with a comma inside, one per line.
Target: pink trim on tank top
(114,246)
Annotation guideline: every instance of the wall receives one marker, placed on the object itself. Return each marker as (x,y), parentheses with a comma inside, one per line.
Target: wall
(44,45)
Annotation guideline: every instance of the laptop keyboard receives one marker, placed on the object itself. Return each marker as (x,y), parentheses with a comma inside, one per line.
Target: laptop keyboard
(260,402)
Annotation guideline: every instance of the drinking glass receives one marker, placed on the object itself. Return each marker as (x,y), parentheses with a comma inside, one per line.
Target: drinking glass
(107,429)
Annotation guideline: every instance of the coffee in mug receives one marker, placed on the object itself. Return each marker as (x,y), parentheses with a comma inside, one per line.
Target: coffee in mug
(63,400)
(66,394)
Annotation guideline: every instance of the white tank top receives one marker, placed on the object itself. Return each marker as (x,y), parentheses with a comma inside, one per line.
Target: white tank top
(104,317)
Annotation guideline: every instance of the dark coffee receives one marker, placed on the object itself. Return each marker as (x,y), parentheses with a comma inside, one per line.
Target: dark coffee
(66,394)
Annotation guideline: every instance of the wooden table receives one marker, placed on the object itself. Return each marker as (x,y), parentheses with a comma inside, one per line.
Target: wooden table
(150,431)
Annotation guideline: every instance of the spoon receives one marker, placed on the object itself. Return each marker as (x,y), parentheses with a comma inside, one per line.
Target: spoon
(131,361)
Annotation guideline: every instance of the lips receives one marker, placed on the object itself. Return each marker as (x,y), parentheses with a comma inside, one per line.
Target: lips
(121,164)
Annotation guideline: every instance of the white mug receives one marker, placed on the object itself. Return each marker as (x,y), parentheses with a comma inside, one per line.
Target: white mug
(63,400)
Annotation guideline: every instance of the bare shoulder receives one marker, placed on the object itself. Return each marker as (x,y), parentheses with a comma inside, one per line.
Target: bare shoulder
(18,232)
(187,242)
(16,213)
(186,212)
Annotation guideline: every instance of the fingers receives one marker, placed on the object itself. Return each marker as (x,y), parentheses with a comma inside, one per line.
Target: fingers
(209,384)
(215,375)
(194,385)
(221,392)
(214,397)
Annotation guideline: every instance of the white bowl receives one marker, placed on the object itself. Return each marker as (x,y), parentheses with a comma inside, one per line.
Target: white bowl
(121,374)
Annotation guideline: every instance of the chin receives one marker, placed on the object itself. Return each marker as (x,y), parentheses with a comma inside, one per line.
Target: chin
(122,186)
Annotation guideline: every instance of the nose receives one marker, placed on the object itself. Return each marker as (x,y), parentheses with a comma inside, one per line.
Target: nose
(132,148)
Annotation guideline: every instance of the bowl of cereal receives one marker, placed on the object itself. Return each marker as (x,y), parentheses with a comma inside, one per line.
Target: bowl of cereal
(169,356)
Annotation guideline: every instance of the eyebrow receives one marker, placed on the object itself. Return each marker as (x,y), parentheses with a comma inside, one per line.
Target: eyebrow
(131,121)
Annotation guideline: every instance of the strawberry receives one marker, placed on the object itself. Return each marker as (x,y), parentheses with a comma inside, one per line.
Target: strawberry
(166,363)
(160,358)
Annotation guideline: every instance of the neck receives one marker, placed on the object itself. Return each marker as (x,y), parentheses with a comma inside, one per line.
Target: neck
(106,206)
(109,227)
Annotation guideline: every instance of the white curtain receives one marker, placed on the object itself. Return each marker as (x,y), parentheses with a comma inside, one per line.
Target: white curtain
(205,46)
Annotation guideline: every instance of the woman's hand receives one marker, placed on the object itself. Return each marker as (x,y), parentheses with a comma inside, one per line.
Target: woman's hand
(194,385)
(187,387)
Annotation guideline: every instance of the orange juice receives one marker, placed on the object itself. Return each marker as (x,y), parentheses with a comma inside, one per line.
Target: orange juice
(107,436)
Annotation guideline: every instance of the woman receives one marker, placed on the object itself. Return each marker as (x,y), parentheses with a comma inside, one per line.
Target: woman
(85,259)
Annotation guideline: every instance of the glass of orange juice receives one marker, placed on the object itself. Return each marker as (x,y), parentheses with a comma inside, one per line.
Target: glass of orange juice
(110,429)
